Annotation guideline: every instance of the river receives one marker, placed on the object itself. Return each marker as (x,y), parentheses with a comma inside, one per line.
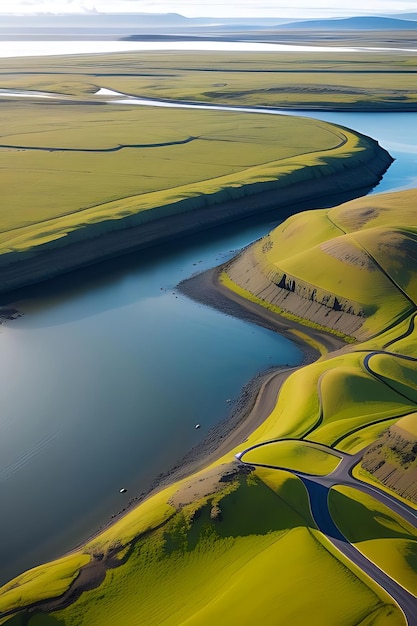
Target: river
(109,370)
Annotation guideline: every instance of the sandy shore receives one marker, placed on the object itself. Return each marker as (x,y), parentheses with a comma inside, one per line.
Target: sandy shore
(259,395)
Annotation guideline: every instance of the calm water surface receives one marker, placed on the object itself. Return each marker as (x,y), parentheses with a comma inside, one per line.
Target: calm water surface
(109,370)
(103,381)
(49,48)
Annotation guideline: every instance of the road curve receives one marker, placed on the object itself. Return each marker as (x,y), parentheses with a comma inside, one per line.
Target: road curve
(318,488)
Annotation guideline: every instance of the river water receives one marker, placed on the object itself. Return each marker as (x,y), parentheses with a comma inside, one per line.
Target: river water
(105,376)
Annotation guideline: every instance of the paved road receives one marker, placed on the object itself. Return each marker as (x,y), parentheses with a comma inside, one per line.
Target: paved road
(318,488)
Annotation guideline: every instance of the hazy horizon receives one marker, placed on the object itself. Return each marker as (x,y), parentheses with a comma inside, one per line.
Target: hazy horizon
(299,9)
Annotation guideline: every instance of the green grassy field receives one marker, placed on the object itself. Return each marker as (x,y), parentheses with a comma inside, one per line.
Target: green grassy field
(322,80)
(64,168)
(216,565)
(378,533)
(74,172)
(294,455)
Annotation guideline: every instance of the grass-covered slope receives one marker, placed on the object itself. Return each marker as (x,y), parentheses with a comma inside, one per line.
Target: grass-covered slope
(350,269)
(84,181)
(391,460)
(348,398)
(220,557)
(378,533)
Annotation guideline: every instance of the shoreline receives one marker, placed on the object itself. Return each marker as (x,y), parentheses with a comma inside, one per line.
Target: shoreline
(259,395)
(241,420)
(110,238)
(251,408)
(206,288)
(330,186)
(255,401)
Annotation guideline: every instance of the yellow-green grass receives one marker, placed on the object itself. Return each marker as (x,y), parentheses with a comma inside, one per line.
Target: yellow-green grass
(353,398)
(325,267)
(327,79)
(149,515)
(297,233)
(371,272)
(395,210)
(48,194)
(59,183)
(390,243)
(379,533)
(230,571)
(399,338)
(404,341)
(43,582)
(295,455)
(288,488)
(399,373)
(359,439)
(409,423)
(328,401)
(227,579)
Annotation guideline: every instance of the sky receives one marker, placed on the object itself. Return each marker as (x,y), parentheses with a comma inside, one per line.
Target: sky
(215,8)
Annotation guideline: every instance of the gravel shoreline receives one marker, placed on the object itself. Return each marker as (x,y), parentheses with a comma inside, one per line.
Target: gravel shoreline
(205,289)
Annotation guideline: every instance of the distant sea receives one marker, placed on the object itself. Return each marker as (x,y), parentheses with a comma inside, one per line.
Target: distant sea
(49,48)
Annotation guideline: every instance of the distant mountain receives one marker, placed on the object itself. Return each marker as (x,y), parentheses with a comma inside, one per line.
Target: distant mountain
(133,21)
(354,23)
(95,20)
(406,16)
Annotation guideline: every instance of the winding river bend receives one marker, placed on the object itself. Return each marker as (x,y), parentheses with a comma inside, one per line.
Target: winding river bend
(117,369)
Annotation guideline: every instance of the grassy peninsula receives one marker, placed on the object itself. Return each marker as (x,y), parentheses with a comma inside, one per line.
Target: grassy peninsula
(84,181)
